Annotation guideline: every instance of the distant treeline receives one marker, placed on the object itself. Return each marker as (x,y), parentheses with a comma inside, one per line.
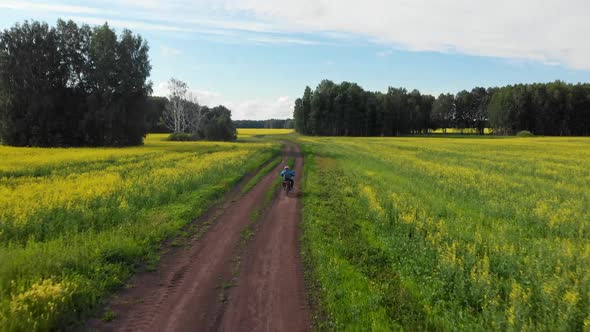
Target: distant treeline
(346,109)
(72,85)
(270,124)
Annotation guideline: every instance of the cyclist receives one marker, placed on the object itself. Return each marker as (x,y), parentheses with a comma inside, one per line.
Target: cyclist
(288,175)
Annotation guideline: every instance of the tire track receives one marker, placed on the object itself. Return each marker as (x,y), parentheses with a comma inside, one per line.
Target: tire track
(271,294)
(184,293)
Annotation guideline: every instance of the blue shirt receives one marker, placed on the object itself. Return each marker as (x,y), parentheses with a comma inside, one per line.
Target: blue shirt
(288,175)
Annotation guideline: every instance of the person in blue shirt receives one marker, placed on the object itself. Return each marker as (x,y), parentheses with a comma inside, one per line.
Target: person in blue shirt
(288,175)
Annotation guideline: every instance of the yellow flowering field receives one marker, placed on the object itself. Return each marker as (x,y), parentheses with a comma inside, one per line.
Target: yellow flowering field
(254,132)
(471,234)
(74,223)
(486,131)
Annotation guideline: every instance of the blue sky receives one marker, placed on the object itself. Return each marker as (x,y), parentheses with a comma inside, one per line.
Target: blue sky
(257,56)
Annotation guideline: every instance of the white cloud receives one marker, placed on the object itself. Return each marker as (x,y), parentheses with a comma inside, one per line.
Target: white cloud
(213,33)
(262,109)
(160,89)
(148,4)
(252,26)
(250,109)
(168,51)
(48,7)
(209,98)
(281,40)
(547,31)
(129,24)
(383,54)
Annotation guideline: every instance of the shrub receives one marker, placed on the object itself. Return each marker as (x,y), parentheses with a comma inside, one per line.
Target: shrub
(40,307)
(184,137)
(524,133)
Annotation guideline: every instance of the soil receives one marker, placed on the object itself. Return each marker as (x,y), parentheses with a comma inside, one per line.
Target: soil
(225,279)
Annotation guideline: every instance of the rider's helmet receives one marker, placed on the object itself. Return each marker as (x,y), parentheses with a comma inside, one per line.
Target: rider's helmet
(286,166)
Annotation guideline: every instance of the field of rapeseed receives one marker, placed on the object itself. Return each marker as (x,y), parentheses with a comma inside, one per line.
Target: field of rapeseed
(248,133)
(74,223)
(469,234)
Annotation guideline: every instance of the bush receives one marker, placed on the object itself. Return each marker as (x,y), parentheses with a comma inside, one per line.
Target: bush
(218,125)
(41,307)
(524,133)
(184,137)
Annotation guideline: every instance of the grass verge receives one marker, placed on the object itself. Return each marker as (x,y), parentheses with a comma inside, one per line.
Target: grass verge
(261,173)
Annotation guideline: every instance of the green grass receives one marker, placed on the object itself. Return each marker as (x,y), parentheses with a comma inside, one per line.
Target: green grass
(448,234)
(261,173)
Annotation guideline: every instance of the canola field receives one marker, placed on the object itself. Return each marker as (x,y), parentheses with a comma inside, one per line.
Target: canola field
(75,223)
(468,234)
(246,133)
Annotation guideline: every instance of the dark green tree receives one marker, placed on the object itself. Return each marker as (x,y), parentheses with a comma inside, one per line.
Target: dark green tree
(479,109)
(72,85)
(501,111)
(463,110)
(345,109)
(218,125)
(443,110)
(154,110)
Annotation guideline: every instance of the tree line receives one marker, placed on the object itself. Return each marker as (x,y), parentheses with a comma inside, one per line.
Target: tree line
(72,85)
(267,124)
(346,109)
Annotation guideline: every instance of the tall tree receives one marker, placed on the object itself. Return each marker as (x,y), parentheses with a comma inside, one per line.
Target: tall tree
(463,110)
(501,111)
(553,108)
(299,116)
(479,106)
(154,111)
(175,116)
(306,108)
(443,110)
(217,125)
(72,85)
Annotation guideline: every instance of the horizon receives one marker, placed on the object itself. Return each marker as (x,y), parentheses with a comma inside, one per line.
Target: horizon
(256,59)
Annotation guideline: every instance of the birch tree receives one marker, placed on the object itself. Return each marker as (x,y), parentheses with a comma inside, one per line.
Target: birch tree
(195,113)
(175,114)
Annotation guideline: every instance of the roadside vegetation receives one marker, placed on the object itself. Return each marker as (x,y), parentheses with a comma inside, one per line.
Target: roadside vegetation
(448,234)
(76,223)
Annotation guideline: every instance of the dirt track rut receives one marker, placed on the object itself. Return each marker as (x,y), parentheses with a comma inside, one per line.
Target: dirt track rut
(271,295)
(189,290)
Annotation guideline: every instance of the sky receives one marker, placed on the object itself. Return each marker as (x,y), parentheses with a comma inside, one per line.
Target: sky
(256,56)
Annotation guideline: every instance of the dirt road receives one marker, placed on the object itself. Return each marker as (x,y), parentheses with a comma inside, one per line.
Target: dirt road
(270,292)
(218,282)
